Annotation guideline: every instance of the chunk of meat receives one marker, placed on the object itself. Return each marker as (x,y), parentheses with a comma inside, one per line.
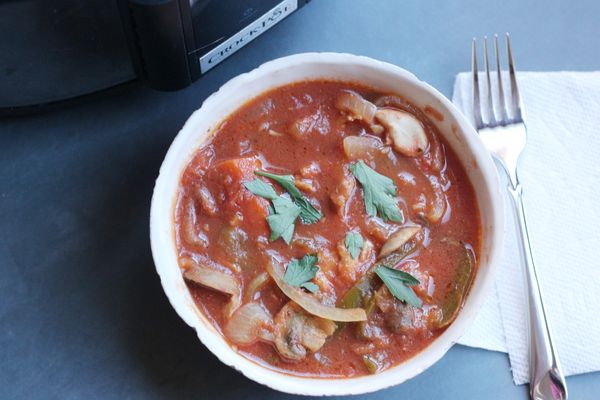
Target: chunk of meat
(327,260)
(326,293)
(374,331)
(343,192)
(311,244)
(315,123)
(350,268)
(423,289)
(306,185)
(311,170)
(297,333)
(401,317)
(379,230)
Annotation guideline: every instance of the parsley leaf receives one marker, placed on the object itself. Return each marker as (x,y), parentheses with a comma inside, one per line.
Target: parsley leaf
(261,188)
(399,284)
(378,192)
(281,222)
(309,214)
(311,287)
(354,244)
(300,272)
(282,213)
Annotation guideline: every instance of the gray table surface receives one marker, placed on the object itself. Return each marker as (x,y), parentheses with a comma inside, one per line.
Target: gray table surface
(82,313)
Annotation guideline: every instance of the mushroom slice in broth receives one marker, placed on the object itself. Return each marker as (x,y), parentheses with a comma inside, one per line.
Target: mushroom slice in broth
(406,131)
(297,333)
(250,323)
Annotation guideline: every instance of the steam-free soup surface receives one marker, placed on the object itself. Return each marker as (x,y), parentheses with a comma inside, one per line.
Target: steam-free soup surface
(297,279)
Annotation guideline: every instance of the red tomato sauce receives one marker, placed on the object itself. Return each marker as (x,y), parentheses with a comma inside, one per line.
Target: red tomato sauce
(298,130)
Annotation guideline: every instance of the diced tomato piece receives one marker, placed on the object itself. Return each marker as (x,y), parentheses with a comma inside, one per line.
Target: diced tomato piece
(226,180)
(255,211)
(234,172)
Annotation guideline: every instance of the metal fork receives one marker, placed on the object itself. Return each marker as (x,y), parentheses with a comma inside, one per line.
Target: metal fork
(504,134)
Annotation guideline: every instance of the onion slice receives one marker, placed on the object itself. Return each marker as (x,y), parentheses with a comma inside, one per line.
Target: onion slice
(248,324)
(356,107)
(310,303)
(214,279)
(189,231)
(397,239)
(436,206)
(210,277)
(255,285)
(361,147)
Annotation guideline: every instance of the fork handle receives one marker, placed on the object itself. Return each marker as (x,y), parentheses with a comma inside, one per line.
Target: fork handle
(546,380)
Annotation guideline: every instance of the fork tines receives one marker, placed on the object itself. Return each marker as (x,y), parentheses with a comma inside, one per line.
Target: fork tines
(496,110)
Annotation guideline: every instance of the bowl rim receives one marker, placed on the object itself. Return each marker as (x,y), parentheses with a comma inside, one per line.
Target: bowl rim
(176,290)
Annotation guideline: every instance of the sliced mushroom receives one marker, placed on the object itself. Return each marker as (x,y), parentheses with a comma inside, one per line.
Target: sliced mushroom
(250,323)
(214,279)
(406,131)
(296,333)
(398,239)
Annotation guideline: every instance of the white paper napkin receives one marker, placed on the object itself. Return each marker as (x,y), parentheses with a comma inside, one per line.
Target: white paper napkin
(560,174)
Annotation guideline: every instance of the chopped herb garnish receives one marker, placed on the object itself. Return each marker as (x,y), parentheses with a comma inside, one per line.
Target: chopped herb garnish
(281,222)
(379,192)
(309,214)
(282,213)
(354,244)
(300,272)
(262,189)
(399,284)
(311,287)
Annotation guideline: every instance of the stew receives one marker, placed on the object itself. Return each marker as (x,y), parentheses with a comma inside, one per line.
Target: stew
(327,229)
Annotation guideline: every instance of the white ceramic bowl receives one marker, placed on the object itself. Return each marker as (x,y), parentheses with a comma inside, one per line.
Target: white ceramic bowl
(386,77)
